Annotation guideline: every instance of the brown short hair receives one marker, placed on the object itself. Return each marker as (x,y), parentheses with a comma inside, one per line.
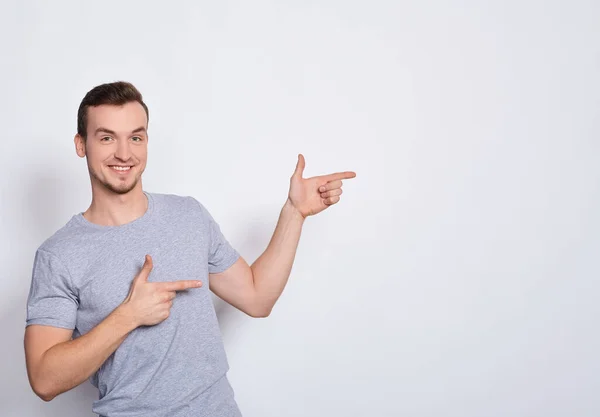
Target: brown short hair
(116,93)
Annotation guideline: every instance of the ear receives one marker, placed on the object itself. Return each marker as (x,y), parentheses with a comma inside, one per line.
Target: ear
(79,145)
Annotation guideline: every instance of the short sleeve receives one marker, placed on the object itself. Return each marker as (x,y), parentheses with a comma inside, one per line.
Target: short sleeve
(52,301)
(221,255)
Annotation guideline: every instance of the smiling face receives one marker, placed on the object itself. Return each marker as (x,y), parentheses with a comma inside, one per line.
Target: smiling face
(116,146)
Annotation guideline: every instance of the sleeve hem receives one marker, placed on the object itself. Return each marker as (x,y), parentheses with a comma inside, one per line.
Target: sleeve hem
(226,264)
(50,322)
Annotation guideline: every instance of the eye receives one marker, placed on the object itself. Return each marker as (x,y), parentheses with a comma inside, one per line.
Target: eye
(105,137)
(138,139)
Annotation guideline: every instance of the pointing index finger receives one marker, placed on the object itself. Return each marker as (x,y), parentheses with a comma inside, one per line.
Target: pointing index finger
(180,285)
(339,176)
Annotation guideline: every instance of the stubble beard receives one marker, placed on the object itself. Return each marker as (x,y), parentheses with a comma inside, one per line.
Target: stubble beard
(124,188)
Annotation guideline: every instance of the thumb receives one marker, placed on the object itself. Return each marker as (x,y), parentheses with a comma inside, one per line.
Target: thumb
(300,166)
(146,269)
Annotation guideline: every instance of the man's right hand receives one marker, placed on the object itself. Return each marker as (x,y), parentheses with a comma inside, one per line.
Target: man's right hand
(150,303)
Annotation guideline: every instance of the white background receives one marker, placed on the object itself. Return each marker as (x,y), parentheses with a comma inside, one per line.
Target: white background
(458,275)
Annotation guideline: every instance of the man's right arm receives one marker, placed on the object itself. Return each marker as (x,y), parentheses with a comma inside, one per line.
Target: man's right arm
(56,364)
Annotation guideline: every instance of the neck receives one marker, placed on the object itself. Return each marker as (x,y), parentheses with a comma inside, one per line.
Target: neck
(111,209)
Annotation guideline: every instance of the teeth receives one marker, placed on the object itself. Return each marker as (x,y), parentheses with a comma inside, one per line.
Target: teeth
(121,168)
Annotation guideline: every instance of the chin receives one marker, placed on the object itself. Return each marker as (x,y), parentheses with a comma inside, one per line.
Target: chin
(123,188)
(120,188)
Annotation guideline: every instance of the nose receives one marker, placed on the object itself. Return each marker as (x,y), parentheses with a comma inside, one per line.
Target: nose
(123,152)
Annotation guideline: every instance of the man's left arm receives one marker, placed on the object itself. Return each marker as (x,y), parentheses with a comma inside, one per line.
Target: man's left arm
(255,289)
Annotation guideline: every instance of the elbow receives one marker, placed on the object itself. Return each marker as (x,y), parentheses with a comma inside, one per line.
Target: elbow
(43,393)
(260,306)
(42,389)
(47,398)
(260,312)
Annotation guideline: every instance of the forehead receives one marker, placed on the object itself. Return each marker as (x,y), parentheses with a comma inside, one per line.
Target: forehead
(126,117)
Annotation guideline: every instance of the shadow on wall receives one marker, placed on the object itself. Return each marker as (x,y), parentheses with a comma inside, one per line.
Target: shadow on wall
(258,229)
(41,212)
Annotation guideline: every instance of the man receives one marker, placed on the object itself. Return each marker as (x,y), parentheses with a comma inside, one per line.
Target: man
(120,294)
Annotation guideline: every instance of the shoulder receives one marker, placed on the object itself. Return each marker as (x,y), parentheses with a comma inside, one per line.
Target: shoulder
(173,200)
(182,204)
(65,239)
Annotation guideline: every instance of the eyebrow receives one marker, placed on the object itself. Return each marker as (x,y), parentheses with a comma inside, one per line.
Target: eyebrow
(111,132)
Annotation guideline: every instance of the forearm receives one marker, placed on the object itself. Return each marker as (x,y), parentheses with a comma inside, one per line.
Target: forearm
(272,269)
(68,364)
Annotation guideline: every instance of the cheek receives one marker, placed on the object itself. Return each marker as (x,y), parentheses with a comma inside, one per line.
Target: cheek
(96,160)
(96,154)
(141,156)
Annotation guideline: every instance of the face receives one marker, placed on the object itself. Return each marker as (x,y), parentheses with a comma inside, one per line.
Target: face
(116,146)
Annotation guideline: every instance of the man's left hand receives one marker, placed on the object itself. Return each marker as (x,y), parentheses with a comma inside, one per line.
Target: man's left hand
(310,196)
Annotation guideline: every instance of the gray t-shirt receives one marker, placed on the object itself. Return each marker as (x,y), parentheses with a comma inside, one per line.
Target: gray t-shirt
(176,368)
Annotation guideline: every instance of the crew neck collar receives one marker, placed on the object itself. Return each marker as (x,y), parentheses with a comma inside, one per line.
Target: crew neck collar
(140,220)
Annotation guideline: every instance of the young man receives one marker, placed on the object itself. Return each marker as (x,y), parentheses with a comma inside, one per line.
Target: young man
(120,294)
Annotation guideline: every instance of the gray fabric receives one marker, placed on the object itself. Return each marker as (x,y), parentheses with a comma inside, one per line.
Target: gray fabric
(84,271)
